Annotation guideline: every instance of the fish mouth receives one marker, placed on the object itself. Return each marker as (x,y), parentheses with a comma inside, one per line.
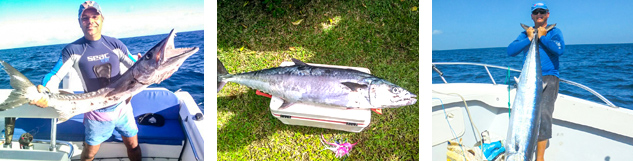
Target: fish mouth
(170,52)
(412,99)
(406,100)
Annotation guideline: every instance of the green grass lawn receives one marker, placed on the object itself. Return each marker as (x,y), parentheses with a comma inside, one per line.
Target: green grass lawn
(255,35)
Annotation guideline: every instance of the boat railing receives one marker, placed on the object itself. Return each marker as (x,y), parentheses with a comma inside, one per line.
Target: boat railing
(193,148)
(55,143)
(486,66)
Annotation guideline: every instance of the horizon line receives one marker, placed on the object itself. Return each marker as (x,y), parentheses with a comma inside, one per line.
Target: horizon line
(506,46)
(19,47)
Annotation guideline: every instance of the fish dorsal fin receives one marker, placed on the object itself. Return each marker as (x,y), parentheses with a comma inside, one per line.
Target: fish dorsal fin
(354,86)
(298,62)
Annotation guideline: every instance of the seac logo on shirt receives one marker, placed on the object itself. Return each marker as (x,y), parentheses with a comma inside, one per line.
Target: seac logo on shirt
(102,58)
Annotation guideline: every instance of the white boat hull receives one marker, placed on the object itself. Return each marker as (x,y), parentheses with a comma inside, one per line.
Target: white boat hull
(191,148)
(582,130)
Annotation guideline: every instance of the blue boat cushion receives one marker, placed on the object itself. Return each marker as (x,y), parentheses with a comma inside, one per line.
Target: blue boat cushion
(162,102)
(158,101)
(169,134)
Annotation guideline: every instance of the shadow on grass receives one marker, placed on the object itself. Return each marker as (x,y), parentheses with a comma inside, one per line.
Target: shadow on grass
(252,121)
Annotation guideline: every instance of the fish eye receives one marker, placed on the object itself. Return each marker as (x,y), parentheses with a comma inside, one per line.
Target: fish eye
(148,56)
(396,90)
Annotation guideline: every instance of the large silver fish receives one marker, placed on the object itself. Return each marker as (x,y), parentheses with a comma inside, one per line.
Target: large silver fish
(322,86)
(156,65)
(525,117)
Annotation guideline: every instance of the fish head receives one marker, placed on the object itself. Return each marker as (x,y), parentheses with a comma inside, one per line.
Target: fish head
(161,61)
(384,94)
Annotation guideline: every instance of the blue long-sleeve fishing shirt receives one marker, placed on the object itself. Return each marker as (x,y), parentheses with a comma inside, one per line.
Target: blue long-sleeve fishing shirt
(551,46)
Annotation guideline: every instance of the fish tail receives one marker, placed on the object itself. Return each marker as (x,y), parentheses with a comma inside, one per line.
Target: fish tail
(21,85)
(221,74)
(550,27)
(525,27)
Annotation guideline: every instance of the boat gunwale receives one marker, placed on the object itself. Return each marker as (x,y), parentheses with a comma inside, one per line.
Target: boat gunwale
(605,100)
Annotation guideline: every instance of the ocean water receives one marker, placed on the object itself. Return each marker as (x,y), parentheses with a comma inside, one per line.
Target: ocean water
(35,62)
(605,68)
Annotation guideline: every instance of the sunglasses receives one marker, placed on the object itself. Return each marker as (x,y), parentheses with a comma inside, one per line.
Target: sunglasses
(537,11)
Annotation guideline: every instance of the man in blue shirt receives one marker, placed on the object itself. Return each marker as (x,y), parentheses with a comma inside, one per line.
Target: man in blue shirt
(551,46)
(96,60)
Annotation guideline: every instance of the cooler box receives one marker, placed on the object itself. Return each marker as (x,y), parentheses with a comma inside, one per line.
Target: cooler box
(329,117)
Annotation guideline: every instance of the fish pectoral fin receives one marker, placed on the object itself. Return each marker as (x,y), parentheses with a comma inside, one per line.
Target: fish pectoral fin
(298,62)
(354,86)
(285,105)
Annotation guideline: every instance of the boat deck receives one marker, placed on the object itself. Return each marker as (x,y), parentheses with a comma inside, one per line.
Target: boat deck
(582,130)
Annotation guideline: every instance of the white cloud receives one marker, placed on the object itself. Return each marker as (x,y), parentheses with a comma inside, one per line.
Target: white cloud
(21,33)
(48,31)
(153,23)
(437,32)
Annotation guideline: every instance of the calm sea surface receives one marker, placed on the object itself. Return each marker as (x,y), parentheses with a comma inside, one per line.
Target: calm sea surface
(605,68)
(35,62)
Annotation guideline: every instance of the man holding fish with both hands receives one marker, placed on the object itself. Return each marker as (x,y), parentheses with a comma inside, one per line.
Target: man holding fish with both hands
(550,46)
(96,59)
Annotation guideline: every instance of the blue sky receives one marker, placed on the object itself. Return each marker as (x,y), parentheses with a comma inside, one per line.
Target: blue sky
(46,22)
(463,24)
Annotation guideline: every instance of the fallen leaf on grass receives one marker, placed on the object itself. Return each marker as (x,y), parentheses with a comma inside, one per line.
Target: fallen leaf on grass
(297,22)
(291,48)
(242,48)
(414,8)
